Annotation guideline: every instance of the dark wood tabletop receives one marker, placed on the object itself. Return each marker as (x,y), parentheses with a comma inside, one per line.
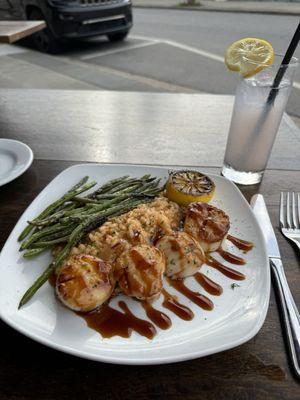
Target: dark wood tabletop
(258,369)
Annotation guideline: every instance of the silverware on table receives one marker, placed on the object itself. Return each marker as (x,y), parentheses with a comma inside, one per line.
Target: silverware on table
(290,216)
(290,314)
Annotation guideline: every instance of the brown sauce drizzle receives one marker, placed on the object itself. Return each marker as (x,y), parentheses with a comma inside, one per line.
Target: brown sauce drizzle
(210,286)
(229,272)
(157,235)
(232,258)
(110,322)
(240,244)
(140,262)
(143,266)
(176,247)
(199,210)
(197,298)
(157,317)
(178,309)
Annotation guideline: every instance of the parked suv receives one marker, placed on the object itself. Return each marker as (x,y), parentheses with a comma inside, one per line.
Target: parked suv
(70,19)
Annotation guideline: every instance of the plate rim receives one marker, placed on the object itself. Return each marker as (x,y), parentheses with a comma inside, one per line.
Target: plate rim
(27,165)
(154,361)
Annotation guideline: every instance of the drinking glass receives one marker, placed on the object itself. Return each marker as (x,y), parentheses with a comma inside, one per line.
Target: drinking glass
(257,112)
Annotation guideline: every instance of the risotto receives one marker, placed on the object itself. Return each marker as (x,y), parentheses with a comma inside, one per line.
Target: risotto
(142,225)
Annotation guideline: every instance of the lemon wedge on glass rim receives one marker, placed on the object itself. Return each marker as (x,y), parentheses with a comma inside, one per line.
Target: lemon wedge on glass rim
(249,56)
(186,186)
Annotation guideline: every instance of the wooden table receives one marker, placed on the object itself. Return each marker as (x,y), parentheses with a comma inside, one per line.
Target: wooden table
(12,31)
(256,370)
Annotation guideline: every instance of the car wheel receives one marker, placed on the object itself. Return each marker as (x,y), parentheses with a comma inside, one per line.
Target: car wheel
(117,37)
(44,39)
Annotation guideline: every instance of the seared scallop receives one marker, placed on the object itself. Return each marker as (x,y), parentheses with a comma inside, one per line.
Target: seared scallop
(139,271)
(183,254)
(84,282)
(207,224)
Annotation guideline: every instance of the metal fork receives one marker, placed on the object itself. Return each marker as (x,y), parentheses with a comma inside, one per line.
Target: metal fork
(290,216)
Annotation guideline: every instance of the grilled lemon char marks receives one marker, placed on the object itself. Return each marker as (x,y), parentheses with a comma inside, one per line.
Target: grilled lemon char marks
(186,186)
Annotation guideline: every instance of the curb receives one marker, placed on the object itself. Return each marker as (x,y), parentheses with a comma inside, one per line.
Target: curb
(219,9)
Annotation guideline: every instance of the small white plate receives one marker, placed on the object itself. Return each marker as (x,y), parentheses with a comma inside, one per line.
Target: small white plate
(15,158)
(237,316)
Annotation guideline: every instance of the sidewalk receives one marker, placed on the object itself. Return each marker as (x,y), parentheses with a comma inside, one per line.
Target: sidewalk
(267,7)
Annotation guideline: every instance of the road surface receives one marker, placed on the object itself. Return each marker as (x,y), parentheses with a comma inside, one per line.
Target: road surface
(166,51)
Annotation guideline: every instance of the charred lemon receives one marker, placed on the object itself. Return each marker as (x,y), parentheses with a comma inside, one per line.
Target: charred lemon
(185,187)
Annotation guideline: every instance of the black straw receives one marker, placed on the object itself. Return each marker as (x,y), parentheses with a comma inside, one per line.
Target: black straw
(286,60)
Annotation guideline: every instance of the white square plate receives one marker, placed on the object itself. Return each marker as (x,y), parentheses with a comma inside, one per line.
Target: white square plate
(237,316)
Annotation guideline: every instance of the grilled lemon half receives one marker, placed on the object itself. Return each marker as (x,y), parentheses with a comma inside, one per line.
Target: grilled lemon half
(186,186)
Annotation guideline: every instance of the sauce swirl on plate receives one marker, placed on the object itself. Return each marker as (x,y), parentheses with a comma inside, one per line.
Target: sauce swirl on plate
(240,244)
(210,286)
(229,272)
(157,317)
(232,258)
(110,322)
(177,308)
(197,298)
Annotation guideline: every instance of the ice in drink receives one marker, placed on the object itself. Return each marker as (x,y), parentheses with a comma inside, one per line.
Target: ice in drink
(254,124)
(261,98)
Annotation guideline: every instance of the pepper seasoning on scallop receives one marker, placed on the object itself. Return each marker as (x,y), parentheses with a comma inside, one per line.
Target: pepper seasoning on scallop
(84,282)
(139,272)
(207,224)
(184,256)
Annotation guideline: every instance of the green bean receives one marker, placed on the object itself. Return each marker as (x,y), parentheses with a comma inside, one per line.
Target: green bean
(36,285)
(54,205)
(51,243)
(34,252)
(54,217)
(68,229)
(108,186)
(39,234)
(71,217)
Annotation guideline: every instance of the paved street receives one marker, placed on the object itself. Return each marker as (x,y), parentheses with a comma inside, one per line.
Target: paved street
(167,51)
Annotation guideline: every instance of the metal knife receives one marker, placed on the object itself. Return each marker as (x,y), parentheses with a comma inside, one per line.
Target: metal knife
(290,314)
